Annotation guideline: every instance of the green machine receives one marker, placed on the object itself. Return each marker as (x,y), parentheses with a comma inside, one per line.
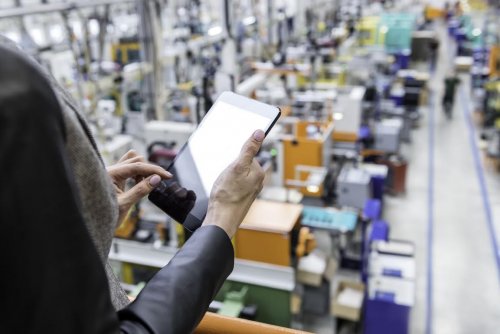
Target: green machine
(234,303)
(273,305)
(395,31)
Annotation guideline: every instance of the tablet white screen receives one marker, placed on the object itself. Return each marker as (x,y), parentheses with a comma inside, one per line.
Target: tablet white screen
(218,140)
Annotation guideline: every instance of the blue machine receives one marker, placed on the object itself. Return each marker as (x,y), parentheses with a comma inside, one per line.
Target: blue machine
(372,210)
(390,287)
(329,219)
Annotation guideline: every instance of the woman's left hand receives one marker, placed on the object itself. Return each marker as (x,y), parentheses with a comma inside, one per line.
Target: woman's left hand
(146,175)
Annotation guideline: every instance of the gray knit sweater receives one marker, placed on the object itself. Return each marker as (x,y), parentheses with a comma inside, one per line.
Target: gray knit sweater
(97,196)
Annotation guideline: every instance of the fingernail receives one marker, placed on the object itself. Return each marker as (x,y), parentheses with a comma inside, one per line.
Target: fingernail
(259,135)
(154,180)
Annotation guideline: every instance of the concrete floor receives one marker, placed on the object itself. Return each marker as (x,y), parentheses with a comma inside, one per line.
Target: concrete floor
(443,211)
(465,294)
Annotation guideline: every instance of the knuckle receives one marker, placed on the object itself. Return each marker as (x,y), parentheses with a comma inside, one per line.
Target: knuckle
(143,188)
(257,169)
(134,159)
(238,167)
(251,147)
(260,174)
(125,199)
(136,166)
(131,153)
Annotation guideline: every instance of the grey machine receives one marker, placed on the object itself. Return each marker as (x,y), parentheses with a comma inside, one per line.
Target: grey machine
(353,187)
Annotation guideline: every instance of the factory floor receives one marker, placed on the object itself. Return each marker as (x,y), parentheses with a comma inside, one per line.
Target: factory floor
(450,211)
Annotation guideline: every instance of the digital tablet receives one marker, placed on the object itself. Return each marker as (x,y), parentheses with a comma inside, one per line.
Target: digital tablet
(214,145)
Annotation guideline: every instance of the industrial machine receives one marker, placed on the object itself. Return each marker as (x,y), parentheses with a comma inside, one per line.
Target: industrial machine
(348,112)
(353,187)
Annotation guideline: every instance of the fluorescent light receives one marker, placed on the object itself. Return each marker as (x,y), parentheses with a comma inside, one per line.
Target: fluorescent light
(384,29)
(56,33)
(214,31)
(313,189)
(338,116)
(77,30)
(249,20)
(94,27)
(37,35)
(476,32)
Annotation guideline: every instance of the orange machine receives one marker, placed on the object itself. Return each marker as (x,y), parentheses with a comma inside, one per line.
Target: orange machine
(349,137)
(265,234)
(303,150)
(128,226)
(495,61)
(432,13)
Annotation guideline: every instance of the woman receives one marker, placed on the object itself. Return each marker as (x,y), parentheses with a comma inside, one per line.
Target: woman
(59,208)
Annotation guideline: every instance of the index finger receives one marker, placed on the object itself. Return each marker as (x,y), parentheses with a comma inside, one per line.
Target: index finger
(137,169)
(130,154)
(251,147)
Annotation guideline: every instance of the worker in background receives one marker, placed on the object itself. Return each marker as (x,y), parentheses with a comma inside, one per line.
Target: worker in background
(457,9)
(433,52)
(59,207)
(447,11)
(450,86)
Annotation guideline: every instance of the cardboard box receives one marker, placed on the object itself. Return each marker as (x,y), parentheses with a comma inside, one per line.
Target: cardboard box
(295,304)
(312,268)
(331,269)
(463,64)
(348,311)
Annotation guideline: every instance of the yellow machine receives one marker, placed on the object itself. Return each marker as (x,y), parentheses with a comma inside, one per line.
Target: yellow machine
(125,52)
(478,5)
(368,31)
(332,76)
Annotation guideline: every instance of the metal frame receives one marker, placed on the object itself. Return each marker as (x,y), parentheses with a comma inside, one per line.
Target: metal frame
(248,272)
(55,7)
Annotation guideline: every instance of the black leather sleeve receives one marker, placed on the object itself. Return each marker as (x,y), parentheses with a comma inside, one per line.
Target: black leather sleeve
(175,300)
(51,276)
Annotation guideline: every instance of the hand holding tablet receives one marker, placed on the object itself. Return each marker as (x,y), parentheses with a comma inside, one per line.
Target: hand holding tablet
(216,144)
(236,188)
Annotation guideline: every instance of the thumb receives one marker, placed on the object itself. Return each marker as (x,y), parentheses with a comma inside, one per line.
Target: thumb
(251,147)
(141,189)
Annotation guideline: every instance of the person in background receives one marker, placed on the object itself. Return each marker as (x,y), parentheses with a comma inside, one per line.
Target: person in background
(447,11)
(59,207)
(450,86)
(433,52)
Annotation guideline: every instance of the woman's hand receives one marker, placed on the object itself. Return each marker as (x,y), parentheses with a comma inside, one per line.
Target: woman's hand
(146,175)
(236,188)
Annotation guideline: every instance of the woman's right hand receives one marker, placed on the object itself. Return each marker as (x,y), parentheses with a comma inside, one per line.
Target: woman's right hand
(236,188)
